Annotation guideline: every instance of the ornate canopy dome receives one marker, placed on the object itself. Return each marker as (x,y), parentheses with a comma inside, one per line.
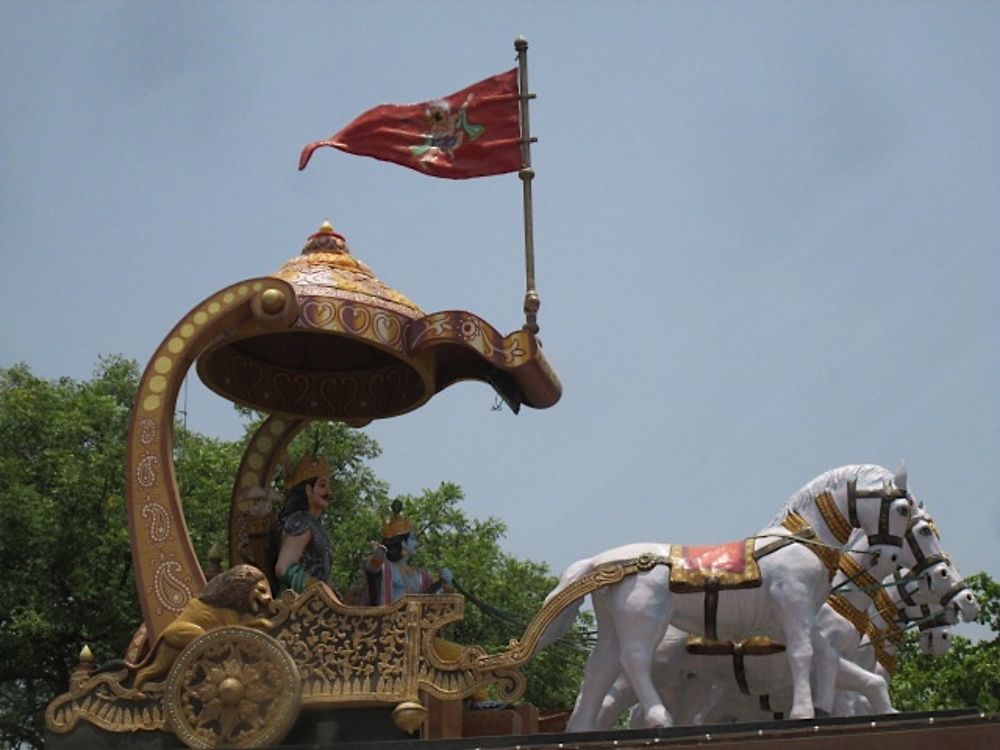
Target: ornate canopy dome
(342,345)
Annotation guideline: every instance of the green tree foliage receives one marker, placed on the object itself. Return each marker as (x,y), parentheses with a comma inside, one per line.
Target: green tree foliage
(967,675)
(63,542)
(64,537)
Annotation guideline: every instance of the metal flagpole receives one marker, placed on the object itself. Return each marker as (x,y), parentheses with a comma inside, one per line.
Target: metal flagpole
(527,174)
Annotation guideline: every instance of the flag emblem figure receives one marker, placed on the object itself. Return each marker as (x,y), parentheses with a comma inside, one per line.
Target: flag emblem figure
(474,132)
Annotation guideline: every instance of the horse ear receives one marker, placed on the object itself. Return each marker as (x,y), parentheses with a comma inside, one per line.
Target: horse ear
(900,478)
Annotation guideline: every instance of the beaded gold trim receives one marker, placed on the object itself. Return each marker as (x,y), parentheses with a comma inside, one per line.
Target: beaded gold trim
(888,611)
(849,612)
(834,519)
(829,556)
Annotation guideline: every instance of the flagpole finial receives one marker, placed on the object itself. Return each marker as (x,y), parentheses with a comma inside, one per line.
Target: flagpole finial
(520,43)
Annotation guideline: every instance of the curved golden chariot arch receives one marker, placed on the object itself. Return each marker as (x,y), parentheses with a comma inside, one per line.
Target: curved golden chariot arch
(320,339)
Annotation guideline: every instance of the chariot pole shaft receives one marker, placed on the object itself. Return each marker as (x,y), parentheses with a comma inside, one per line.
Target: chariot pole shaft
(527,174)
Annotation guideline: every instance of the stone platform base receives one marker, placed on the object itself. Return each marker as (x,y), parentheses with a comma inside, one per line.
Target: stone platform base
(372,729)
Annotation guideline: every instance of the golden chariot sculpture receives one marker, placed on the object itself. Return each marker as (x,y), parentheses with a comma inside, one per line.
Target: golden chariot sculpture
(322,338)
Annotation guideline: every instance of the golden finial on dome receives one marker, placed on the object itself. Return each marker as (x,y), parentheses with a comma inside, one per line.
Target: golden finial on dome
(326,240)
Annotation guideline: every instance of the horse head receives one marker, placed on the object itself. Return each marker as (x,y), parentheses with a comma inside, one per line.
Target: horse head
(935,640)
(958,600)
(923,555)
(883,513)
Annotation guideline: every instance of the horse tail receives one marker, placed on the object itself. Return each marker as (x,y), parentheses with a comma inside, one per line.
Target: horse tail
(565,619)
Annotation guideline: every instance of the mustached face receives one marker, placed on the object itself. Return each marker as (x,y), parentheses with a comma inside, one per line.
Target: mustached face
(318,495)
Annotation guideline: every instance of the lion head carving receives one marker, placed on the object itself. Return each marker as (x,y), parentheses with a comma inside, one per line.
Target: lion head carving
(238,596)
(243,588)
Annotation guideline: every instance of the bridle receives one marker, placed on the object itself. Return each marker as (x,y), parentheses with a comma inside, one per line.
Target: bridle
(951,594)
(923,561)
(887,495)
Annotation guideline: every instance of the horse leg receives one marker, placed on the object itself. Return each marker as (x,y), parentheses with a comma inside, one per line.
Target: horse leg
(641,610)
(700,699)
(602,668)
(825,665)
(872,686)
(797,624)
(618,699)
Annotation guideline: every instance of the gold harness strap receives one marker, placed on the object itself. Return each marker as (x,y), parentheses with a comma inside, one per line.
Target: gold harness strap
(864,626)
(709,570)
(852,614)
(801,533)
(839,526)
(711,586)
(829,556)
(890,615)
(864,580)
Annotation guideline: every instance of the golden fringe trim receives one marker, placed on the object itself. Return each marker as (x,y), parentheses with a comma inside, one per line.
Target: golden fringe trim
(834,519)
(829,556)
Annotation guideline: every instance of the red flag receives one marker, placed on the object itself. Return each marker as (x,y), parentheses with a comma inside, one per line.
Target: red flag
(474,132)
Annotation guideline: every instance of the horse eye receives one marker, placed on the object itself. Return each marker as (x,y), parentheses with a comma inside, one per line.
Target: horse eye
(904,511)
(925,531)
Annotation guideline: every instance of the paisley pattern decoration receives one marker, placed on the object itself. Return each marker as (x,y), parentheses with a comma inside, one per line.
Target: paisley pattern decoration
(147,431)
(159,521)
(167,570)
(145,473)
(171,591)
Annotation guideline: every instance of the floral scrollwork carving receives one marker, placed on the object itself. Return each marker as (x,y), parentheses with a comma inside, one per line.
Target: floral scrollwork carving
(104,701)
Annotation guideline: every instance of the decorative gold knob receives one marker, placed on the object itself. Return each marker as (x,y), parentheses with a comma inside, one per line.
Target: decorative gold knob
(409,715)
(272,300)
(231,691)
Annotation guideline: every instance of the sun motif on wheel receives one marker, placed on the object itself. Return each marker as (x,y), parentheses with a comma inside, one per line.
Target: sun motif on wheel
(233,687)
(231,694)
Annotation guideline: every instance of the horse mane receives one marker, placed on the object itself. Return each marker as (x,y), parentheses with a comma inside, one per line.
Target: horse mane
(866,475)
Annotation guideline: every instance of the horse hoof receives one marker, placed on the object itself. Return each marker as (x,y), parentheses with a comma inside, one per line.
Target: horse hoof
(659,717)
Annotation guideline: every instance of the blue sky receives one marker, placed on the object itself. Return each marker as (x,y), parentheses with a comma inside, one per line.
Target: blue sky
(766,233)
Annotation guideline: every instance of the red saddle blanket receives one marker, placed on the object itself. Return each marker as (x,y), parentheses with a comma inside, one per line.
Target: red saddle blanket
(719,566)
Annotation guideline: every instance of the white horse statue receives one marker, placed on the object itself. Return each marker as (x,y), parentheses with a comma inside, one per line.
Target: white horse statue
(759,668)
(794,558)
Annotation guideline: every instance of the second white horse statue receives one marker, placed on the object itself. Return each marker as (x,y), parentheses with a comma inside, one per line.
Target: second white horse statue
(796,556)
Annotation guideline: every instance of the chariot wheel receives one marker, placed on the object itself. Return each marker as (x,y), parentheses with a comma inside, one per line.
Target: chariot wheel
(232,687)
